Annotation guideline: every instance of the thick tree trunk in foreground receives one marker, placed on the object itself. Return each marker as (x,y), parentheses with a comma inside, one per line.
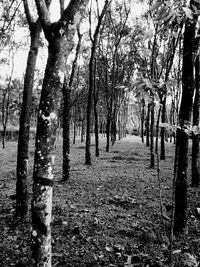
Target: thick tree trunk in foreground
(180,216)
(24,127)
(195,137)
(60,38)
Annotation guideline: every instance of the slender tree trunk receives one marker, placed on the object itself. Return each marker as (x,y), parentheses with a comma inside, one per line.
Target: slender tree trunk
(82,130)
(147,124)
(66,132)
(89,107)
(157,130)
(96,117)
(74,131)
(108,123)
(195,137)
(142,119)
(152,135)
(162,131)
(67,113)
(180,214)
(94,40)
(24,127)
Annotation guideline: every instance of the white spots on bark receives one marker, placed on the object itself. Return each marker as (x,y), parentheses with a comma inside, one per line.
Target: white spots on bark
(53,159)
(53,115)
(61,76)
(77,18)
(49,118)
(34,233)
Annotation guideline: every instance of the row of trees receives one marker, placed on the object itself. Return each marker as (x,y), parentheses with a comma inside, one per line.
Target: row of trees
(143,59)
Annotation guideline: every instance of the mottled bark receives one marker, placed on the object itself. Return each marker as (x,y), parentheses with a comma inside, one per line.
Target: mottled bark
(24,126)
(195,137)
(60,39)
(180,218)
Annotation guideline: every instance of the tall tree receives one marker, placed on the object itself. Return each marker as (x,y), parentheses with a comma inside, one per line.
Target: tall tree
(24,127)
(94,40)
(60,42)
(195,137)
(67,87)
(180,213)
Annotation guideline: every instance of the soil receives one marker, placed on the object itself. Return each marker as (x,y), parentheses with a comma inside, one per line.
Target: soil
(116,212)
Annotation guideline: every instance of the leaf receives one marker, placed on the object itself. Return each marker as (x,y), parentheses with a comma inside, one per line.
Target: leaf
(109,249)
(148,83)
(177,251)
(188,12)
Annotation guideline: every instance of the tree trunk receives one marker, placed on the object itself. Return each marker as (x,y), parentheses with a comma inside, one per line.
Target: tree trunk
(142,119)
(66,132)
(180,218)
(92,83)
(96,117)
(195,137)
(147,124)
(67,114)
(157,130)
(82,129)
(89,107)
(60,39)
(24,127)
(152,135)
(108,132)
(162,132)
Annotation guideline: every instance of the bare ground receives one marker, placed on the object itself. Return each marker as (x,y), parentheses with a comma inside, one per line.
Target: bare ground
(108,214)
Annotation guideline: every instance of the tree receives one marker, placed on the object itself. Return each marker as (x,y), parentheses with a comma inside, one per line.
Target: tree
(180,216)
(195,137)
(24,125)
(60,43)
(94,40)
(67,87)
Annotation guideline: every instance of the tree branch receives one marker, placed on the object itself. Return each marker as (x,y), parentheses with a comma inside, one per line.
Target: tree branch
(29,18)
(62,6)
(43,12)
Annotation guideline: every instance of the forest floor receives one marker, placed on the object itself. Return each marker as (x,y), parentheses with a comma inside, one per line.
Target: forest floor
(107,214)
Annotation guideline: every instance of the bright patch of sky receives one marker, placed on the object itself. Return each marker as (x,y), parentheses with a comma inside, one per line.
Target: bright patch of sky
(21,56)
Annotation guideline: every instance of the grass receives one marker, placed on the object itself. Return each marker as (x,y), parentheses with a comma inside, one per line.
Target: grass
(107,214)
